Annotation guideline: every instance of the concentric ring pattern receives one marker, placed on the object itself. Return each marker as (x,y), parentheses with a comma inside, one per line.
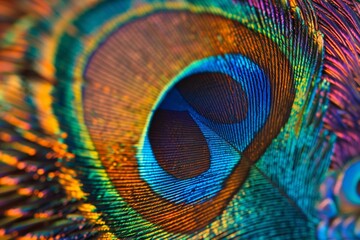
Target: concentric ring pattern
(180,113)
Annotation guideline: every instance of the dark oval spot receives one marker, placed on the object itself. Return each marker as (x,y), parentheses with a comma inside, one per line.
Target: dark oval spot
(358,188)
(216,96)
(178,144)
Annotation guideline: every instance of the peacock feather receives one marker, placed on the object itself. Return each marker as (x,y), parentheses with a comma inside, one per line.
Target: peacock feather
(183,119)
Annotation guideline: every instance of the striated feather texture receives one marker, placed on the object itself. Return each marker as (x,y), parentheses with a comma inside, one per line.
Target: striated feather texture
(184,119)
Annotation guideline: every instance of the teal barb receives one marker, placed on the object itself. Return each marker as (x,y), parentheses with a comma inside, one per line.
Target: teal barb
(181,119)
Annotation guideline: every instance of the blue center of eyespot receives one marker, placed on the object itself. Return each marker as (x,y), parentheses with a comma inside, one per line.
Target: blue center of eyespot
(351,182)
(209,115)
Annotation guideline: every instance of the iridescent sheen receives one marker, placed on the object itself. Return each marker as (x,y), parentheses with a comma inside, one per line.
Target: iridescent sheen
(185,119)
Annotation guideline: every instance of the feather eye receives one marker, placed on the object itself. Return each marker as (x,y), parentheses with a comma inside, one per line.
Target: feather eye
(175,110)
(178,119)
